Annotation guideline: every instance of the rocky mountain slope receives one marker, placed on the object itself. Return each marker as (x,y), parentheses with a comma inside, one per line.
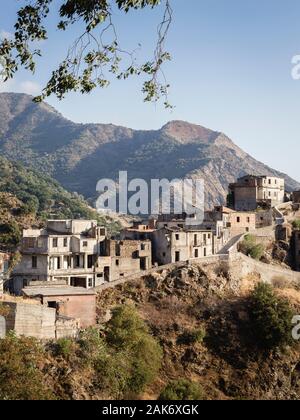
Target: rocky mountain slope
(227,362)
(78,155)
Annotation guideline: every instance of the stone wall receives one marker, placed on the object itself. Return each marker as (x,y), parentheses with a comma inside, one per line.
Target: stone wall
(31,320)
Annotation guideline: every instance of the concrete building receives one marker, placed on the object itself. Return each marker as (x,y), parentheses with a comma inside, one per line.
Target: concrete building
(250,192)
(69,252)
(171,245)
(4,263)
(77,253)
(69,302)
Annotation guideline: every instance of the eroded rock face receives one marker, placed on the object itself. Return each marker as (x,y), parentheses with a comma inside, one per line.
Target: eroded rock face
(225,360)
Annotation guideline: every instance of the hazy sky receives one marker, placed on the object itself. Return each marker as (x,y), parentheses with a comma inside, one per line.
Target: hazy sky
(231,71)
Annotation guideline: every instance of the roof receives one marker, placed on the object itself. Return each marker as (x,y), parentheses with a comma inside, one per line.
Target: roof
(57,291)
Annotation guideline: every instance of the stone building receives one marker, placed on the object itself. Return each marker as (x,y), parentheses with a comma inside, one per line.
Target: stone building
(296,197)
(250,192)
(171,245)
(129,257)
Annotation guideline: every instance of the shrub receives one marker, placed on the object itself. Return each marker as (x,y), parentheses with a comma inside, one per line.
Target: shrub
(20,376)
(271,318)
(181,390)
(249,247)
(296,224)
(125,327)
(192,337)
(128,334)
(65,347)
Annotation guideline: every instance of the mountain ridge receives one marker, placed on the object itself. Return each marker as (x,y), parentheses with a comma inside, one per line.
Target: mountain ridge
(78,155)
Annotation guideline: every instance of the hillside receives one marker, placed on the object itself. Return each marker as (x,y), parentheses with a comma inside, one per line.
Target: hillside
(193,323)
(28,197)
(78,155)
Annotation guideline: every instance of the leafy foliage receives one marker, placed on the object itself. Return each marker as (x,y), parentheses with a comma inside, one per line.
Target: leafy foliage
(20,376)
(92,56)
(271,318)
(129,335)
(296,224)
(251,248)
(192,337)
(181,390)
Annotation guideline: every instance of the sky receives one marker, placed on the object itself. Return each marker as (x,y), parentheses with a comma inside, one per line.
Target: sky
(231,71)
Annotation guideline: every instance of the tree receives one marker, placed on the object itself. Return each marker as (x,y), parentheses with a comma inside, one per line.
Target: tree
(271,318)
(92,56)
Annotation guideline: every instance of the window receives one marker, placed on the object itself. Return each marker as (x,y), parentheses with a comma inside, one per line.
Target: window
(102,232)
(34,261)
(90,282)
(55,242)
(270,182)
(177,237)
(196,253)
(117,263)
(164,254)
(65,242)
(100,275)
(248,219)
(85,244)
(204,252)
(238,219)
(90,261)
(208,236)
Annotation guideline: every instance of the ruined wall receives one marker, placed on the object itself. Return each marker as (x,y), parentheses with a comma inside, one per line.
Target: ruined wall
(31,320)
(81,307)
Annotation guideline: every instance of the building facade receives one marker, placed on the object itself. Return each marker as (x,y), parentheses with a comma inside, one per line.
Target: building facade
(250,192)
(173,245)
(76,253)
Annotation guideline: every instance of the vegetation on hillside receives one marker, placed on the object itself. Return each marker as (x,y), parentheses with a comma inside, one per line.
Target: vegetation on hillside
(251,248)
(271,318)
(27,197)
(118,362)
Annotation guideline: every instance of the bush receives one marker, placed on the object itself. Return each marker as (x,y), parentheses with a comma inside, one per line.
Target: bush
(66,348)
(251,248)
(128,334)
(271,318)
(296,224)
(181,390)
(20,376)
(192,337)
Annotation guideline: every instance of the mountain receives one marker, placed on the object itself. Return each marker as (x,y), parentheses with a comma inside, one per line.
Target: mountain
(28,198)
(78,155)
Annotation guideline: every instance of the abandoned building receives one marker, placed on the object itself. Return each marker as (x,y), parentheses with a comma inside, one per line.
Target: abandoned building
(77,253)
(250,192)
(175,244)
(75,303)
